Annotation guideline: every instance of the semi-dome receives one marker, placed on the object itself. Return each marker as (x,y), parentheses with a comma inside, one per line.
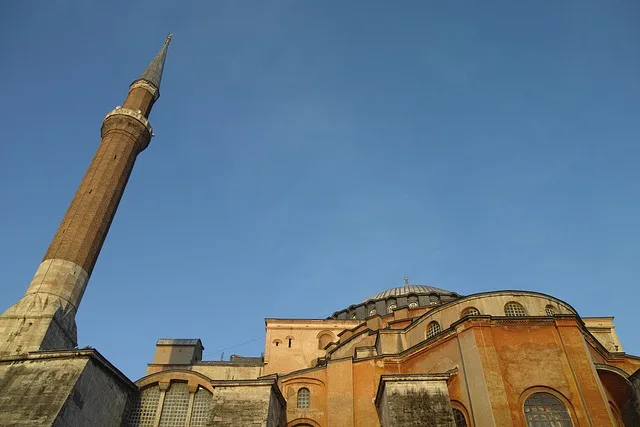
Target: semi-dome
(409,295)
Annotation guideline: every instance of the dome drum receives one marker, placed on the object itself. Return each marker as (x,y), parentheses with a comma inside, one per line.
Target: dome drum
(412,296)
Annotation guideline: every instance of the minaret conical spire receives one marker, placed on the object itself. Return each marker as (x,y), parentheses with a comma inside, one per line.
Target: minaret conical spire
(153,73)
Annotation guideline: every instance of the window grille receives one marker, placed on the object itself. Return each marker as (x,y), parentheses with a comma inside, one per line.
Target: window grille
(372,312)
(546,410)
(470,311)
(433,329)
(458,418)
(550,310)
(176,405)
(304,398)
(413,304)
(143,413)
(201,408)
(513,309)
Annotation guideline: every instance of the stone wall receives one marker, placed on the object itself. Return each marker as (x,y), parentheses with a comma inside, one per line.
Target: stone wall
(414,401)
(631,411)
(67,388)
(248,404)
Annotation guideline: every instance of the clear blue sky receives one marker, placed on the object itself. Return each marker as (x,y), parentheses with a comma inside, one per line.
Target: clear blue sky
(311,154)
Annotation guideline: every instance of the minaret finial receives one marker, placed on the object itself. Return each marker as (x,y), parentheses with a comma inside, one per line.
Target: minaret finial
(153,73)
(406,281)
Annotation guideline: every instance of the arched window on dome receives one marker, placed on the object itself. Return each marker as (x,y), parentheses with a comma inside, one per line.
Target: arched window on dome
(550,310)
(434,299)
(470,311)
(304,398)
(391,305)
(433,329)
(371,308)
(413,301)
(514,309)
(545,410)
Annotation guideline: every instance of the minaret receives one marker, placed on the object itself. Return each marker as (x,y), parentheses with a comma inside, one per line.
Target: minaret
(44,319)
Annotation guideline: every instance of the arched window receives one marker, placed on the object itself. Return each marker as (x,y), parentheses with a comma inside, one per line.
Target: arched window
(458,418)
(433,299)
(277,342)
(550,310)
(304,398)
(433,329)
(201,408)
(546,410)
(174,409)
(470,311)
(143,412)
(513,309)
(175,406)
(289,341)
(372,312)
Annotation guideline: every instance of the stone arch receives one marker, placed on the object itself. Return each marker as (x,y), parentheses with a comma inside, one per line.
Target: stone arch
(617,385)
(192,378)
(324,338)
(303,422)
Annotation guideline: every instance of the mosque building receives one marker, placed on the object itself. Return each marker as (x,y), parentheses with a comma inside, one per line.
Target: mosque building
(412,355)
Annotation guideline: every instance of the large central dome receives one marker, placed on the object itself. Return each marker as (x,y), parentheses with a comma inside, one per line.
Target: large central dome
(410,289)
(409,295)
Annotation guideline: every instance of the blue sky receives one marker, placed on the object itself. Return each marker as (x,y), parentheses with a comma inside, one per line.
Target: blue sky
(311,154)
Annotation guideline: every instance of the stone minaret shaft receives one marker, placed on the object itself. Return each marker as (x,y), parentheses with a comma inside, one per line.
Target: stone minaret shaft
(44,319)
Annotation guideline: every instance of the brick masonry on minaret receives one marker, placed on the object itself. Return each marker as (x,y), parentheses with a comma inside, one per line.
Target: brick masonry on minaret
(44,319)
